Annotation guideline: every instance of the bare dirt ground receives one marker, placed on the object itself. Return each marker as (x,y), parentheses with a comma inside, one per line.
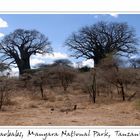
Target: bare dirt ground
(31,111)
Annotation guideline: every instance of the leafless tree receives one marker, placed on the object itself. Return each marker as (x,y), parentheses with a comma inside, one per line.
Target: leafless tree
(65,75)
(34,80)
(98,40)
(39,81)
(18,46)
(92,87)
(66,78)
(60,73)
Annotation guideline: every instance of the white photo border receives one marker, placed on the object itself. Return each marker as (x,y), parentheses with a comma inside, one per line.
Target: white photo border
(69,7)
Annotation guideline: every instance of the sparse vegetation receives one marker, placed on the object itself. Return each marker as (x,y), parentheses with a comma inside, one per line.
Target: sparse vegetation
(137,103)
(4,91)
(60,87)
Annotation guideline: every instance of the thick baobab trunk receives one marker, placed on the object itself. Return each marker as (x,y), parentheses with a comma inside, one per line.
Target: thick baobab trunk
(23,64)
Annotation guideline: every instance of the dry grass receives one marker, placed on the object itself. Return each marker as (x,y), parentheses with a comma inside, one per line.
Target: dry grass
(32,105)
(10,102)
(59,98)
(137,104)
(51,98)
(31,110)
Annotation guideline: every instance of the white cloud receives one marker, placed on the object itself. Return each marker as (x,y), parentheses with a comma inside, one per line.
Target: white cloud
(14,71)
(89,63)
(1,34)
(57,55)
(75,64)
(37,59)
(3,23)
(114,15)
(100,16)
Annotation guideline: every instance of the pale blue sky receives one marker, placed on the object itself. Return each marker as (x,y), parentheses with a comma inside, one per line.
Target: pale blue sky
(59,26)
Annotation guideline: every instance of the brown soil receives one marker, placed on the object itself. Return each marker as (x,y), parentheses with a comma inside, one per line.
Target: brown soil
(58,110)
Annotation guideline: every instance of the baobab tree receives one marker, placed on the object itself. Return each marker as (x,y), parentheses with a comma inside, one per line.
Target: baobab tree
(100,39)
(18,46)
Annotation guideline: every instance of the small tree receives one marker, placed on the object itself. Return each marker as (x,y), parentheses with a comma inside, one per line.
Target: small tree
(61,72)
(39,81)
(65,76)
(33,80)
(4,85)
(92,86)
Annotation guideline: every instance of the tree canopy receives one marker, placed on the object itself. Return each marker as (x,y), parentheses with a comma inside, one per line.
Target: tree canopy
(18,46)
(98,40)
(64,62)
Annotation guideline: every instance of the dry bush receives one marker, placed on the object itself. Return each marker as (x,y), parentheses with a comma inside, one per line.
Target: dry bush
(32,105)
(59,98)
(51,98)
(102,85)
(59,76)
(137,104)
(80,81)
(34,81)
(64,76)
(38,81)
(88,84)
(123,79)
(10,102)
(24,80)
(49,77)
(5,88)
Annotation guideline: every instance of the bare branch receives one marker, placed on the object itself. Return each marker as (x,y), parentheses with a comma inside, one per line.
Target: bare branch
(102,38)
